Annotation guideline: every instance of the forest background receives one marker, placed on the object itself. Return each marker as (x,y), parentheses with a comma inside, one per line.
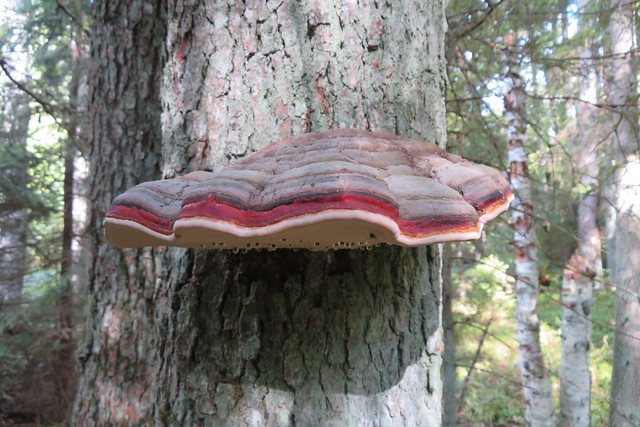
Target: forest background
(563,55)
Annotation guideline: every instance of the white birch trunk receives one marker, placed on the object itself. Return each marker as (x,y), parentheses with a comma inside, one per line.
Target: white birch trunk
(575,376)
(625,389)
(535,378)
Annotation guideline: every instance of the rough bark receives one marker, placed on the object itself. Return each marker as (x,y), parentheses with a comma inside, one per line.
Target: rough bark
(449,378)
(124,135)
(259,338)
(535,378)
(297,337)
(581,270)
(625,393)
(13,208)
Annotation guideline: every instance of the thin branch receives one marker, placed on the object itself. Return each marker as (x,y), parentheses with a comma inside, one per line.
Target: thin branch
(47,106)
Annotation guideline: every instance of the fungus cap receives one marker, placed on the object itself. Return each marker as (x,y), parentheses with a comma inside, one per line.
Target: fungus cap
(331,190)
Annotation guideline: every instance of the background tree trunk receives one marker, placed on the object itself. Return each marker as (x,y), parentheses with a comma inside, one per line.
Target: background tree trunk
(14,220)
(535,378)
(586,263)
(625,393)
(124,135)
(262,338)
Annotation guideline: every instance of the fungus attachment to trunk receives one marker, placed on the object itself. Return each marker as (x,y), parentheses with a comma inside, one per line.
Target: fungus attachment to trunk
(340,189)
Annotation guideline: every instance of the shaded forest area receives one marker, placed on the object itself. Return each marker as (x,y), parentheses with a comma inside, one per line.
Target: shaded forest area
(546,301)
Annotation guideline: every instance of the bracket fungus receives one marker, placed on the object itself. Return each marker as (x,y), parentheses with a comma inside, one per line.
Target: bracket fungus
(340,189)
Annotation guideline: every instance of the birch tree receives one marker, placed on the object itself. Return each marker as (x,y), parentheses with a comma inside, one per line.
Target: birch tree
(536,383)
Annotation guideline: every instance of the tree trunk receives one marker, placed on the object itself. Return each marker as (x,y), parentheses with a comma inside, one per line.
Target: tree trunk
(65,363)
(13,208)
(575,376)
(625,393)
(124,134)
(535,378)
(301,338)
(282,338)
(585,264)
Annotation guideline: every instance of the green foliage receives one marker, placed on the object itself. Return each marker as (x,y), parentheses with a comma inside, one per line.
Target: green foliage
(485,301)
(487,402)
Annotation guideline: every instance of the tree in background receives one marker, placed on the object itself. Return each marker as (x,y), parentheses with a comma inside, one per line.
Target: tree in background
(536,383)
(117,354)
(14,116)
(449,379)
(625,197)
(585,265)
